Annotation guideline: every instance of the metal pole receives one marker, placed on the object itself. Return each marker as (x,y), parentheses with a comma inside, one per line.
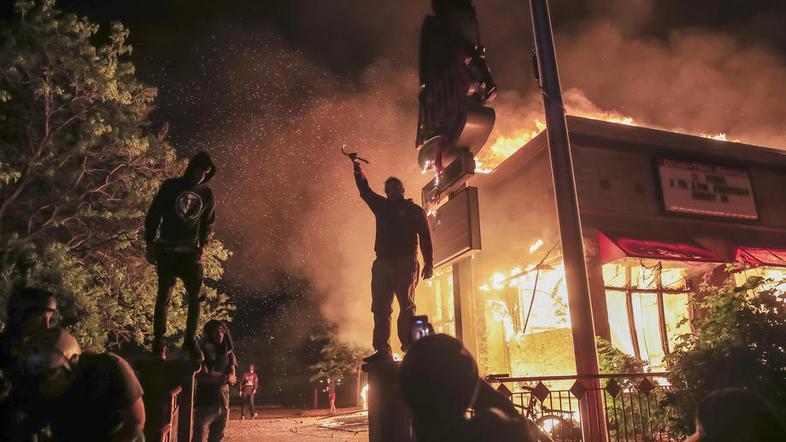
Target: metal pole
(580,307)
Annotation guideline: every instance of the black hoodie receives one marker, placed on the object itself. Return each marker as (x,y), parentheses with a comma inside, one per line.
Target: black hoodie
(183,209)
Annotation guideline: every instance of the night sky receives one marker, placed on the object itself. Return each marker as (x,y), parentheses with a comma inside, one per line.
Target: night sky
(272,88)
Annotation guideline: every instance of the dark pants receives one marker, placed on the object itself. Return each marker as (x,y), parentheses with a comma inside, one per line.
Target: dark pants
(247,401)
(210,423)
(171,265)
(391,277)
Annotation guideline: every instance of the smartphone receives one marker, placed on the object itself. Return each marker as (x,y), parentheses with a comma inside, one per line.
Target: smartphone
(421,327)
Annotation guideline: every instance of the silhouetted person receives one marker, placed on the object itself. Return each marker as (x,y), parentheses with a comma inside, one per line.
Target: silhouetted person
(82,396)
(447,400)
(211,402)
(248,388)
(29,310)
(400,225)
(736,415)
(182,214)
(330,388)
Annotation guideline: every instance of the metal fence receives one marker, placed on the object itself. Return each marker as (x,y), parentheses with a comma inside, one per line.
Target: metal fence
(629,408)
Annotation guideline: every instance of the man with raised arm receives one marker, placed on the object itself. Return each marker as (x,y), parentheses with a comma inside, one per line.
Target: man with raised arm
(400,226)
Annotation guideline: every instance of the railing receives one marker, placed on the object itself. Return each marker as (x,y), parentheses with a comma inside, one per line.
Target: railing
(169,430)
(630,410)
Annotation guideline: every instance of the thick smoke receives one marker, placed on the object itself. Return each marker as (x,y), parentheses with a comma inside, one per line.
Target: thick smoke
(288,196)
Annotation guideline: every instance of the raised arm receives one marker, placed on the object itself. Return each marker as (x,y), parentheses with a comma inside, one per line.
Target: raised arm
(426,249)
(369,196)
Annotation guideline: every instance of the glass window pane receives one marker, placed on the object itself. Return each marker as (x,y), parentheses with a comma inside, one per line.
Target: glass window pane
(673,278)
(646,318)
(618,321)
(614,274)
(675,310)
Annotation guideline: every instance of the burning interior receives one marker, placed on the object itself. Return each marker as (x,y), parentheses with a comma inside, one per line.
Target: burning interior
(661,213)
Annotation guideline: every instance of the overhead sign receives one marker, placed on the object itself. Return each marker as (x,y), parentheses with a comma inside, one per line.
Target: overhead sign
(704,189)
(455,227)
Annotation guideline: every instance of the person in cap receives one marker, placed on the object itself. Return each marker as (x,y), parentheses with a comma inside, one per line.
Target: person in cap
(448,402)
(178,227)
(82,396)
(248,388)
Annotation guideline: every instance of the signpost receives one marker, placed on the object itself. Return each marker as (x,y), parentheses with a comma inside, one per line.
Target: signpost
(579,302)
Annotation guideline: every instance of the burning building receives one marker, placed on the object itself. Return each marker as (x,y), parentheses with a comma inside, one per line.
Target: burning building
(660,211)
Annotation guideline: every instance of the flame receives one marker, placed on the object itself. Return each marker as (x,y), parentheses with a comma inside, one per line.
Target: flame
(504,146)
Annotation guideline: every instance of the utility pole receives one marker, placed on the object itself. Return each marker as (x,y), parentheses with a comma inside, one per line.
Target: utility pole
(579,303)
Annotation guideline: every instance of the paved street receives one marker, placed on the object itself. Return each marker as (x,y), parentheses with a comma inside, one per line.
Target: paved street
(344,427)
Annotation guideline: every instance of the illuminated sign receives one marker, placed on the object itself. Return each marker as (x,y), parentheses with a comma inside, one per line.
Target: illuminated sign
(703,189)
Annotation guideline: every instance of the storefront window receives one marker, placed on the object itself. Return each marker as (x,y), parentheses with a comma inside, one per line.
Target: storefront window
(647,303)
(775,276)
(435,299)
(526,326)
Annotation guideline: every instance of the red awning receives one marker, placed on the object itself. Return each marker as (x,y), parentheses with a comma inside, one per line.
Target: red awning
(761,257)
(614,247)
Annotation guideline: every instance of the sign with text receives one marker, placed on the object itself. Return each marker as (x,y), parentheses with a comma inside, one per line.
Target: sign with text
(704,189)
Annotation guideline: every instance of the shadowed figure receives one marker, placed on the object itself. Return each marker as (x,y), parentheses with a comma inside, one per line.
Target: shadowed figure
(182,214)
(736,415)
(400,226)
(211,398)
(447,400)
(81,396)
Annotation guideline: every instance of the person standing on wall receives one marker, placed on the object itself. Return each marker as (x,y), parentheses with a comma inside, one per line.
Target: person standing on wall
(182,214)
(400,226)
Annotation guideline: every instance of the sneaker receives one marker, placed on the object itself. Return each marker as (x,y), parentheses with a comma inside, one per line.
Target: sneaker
(242,418)
(255,414)
(379,356)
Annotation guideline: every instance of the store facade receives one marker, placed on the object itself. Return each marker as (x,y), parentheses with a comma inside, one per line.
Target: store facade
(662,213)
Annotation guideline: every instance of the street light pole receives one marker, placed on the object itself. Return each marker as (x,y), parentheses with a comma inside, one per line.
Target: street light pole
(579,303)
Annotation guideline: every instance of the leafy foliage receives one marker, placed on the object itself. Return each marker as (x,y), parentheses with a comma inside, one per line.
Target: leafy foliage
(739,341)
(79,164)
(337,359)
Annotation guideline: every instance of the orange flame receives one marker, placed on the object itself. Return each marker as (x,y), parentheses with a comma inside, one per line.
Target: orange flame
(504,146)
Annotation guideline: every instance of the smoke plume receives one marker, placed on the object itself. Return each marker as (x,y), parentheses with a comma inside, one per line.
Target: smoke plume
(288,198)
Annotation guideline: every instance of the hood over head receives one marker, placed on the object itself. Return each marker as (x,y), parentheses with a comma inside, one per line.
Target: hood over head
(202,159)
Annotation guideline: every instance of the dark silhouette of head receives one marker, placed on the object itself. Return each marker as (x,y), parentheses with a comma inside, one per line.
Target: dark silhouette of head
(394,189)
(214,331)
(439,381)
(29,309)
(200,168)
(737,415)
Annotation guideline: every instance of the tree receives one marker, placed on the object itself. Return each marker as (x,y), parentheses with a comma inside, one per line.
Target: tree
(79,163)
(338,360)
(739,341)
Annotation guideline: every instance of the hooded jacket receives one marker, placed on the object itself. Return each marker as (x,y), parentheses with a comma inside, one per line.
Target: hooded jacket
(183,212)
